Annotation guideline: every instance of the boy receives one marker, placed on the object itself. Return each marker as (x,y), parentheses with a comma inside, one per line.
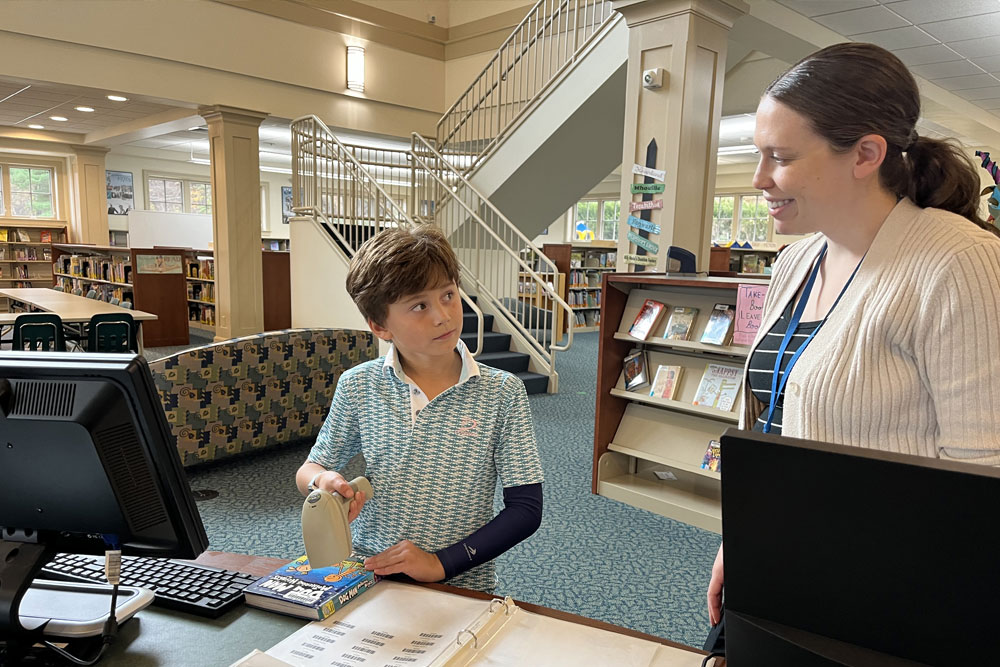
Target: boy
(436,428)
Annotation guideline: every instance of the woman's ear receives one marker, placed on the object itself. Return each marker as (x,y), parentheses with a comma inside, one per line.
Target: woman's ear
(869,155)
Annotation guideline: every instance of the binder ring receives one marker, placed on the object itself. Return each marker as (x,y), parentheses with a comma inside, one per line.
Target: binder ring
(475,640)
(503,603)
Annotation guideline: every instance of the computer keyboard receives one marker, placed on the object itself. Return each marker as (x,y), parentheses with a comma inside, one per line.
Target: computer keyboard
(181,585)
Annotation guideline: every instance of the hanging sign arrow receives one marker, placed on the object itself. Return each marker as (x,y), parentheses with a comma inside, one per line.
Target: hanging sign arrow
(648,188)
(645,205)
(644,225)
(646,260)
(655,174)
(644,243)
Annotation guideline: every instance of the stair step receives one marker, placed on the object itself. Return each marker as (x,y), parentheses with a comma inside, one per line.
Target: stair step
(534,383)
(512,362)
(465,306)
(492,341)
(469,323)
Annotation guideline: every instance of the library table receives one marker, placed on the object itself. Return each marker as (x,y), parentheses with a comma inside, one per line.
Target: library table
(164,637)
(70,308)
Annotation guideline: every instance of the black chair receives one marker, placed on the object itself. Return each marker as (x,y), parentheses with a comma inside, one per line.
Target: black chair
(39,331)
(112,332)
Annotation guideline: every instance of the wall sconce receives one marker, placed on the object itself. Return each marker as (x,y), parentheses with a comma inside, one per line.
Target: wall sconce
(356,68)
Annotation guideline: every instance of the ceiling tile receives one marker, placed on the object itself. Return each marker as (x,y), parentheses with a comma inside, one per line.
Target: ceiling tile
(970,27)
(964,82)
(942,70)
(861,20)
(989,63)
(976,48)
(818,7)
(991,104)
(924,11)
(897,38)
(979,93)
(924,55)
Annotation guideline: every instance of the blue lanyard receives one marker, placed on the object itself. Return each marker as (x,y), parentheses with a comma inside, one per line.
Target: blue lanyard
(778,387)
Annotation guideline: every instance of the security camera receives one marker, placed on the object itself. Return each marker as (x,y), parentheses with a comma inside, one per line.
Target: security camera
(652,78)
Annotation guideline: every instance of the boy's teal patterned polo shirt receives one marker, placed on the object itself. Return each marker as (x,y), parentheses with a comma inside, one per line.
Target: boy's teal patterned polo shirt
(433,472)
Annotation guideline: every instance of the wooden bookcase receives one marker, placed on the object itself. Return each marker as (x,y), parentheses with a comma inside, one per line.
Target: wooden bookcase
(199,270)
(636,435)
(25,258)
(111,272)
(588,263)
(277,282)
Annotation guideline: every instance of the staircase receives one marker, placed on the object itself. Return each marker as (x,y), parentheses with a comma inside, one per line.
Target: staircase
(496,350)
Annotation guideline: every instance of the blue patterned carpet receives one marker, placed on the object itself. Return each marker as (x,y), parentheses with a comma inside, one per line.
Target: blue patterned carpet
(592,556)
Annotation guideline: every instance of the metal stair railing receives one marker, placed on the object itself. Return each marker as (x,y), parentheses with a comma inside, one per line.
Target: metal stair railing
(331,185)
(508,270)
(553,35)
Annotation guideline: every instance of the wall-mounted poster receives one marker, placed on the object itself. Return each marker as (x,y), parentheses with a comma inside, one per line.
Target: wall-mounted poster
(286,203)
(121,198)
(158,264)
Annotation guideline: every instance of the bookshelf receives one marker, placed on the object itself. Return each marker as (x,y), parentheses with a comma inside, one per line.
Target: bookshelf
(749,261)
(26,254)
(199,274)
(648,450)
(274,245)
(156,287)
(588,263)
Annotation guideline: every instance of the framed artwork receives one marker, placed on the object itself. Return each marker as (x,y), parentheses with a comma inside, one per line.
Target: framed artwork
(158,264)
(286,203)
(121,197)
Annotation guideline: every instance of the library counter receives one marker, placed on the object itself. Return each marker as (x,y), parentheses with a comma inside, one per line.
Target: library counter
(165,638)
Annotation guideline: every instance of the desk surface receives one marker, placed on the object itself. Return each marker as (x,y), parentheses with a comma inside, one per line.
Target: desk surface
(69,307)
(163,638)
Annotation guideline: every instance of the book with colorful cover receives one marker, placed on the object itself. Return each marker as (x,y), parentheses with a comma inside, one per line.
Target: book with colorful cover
(666,381)
(22,236)
(647,319)
(720,324)
(719,385)
(634,368)
(679,324)
(3,235)
(298,590)
(46,236)
(713,457)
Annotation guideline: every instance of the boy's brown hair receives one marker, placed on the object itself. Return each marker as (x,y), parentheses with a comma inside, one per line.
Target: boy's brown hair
(398,262)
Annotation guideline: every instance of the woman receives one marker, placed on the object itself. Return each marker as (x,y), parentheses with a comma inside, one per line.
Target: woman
(889,301)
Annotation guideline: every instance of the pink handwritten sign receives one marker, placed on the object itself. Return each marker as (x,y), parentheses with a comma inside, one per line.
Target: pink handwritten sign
(645,205)
(749,309)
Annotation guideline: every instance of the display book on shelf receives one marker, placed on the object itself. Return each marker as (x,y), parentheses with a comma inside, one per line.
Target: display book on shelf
(199,271)
(752,259)
(26,254)
(588,262)
(649,450)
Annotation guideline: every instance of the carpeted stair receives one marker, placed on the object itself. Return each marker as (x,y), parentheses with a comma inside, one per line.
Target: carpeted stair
(497,352)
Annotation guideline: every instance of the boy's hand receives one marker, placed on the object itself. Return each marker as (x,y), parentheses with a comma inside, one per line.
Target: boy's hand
(409,559)
(334,482)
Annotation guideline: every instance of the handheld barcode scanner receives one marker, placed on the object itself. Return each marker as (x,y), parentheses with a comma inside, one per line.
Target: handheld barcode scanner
(325,528)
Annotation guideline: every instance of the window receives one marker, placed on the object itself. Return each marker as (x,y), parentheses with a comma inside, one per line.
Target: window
(201,197)
(166,194)
(31,192)
(598,216)
(740,218)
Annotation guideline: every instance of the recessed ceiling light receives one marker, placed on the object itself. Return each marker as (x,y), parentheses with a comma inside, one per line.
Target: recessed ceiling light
(85,109)
(35,126)
(61,119)
(196,127)
(117,98)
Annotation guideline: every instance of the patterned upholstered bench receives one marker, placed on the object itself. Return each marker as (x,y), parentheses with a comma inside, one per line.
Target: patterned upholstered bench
(251,393)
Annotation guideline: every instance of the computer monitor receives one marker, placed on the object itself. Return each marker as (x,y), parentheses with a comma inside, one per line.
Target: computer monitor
(86,461)
(841,555)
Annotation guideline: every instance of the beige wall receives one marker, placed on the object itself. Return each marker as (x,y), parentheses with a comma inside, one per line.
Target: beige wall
(418,11)
(464,11)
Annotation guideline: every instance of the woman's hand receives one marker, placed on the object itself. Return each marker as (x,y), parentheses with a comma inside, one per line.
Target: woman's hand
(409,559)
(715,590)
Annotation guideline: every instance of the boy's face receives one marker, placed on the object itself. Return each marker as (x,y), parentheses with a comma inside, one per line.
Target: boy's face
(424,324)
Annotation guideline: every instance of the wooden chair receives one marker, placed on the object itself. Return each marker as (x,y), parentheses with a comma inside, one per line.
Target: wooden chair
(39,331)
(112,332)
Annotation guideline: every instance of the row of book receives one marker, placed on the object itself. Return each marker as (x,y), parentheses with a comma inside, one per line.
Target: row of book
(588,299)
(201,313)
(201,291)
(587,318)
(593,260)
(104,292)
(22,236)
(718,329)
(202,268)
(28,253)
(579,278)
(114,270)
(719,385)
(21,271)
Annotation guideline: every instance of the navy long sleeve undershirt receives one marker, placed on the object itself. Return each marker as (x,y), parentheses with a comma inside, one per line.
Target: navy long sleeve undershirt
(520,517)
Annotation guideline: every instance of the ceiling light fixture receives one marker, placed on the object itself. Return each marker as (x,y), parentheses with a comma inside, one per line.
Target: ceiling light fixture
(117,98)
(737,150)
(61,119)
(35,126)
(356,68)
(85,109)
